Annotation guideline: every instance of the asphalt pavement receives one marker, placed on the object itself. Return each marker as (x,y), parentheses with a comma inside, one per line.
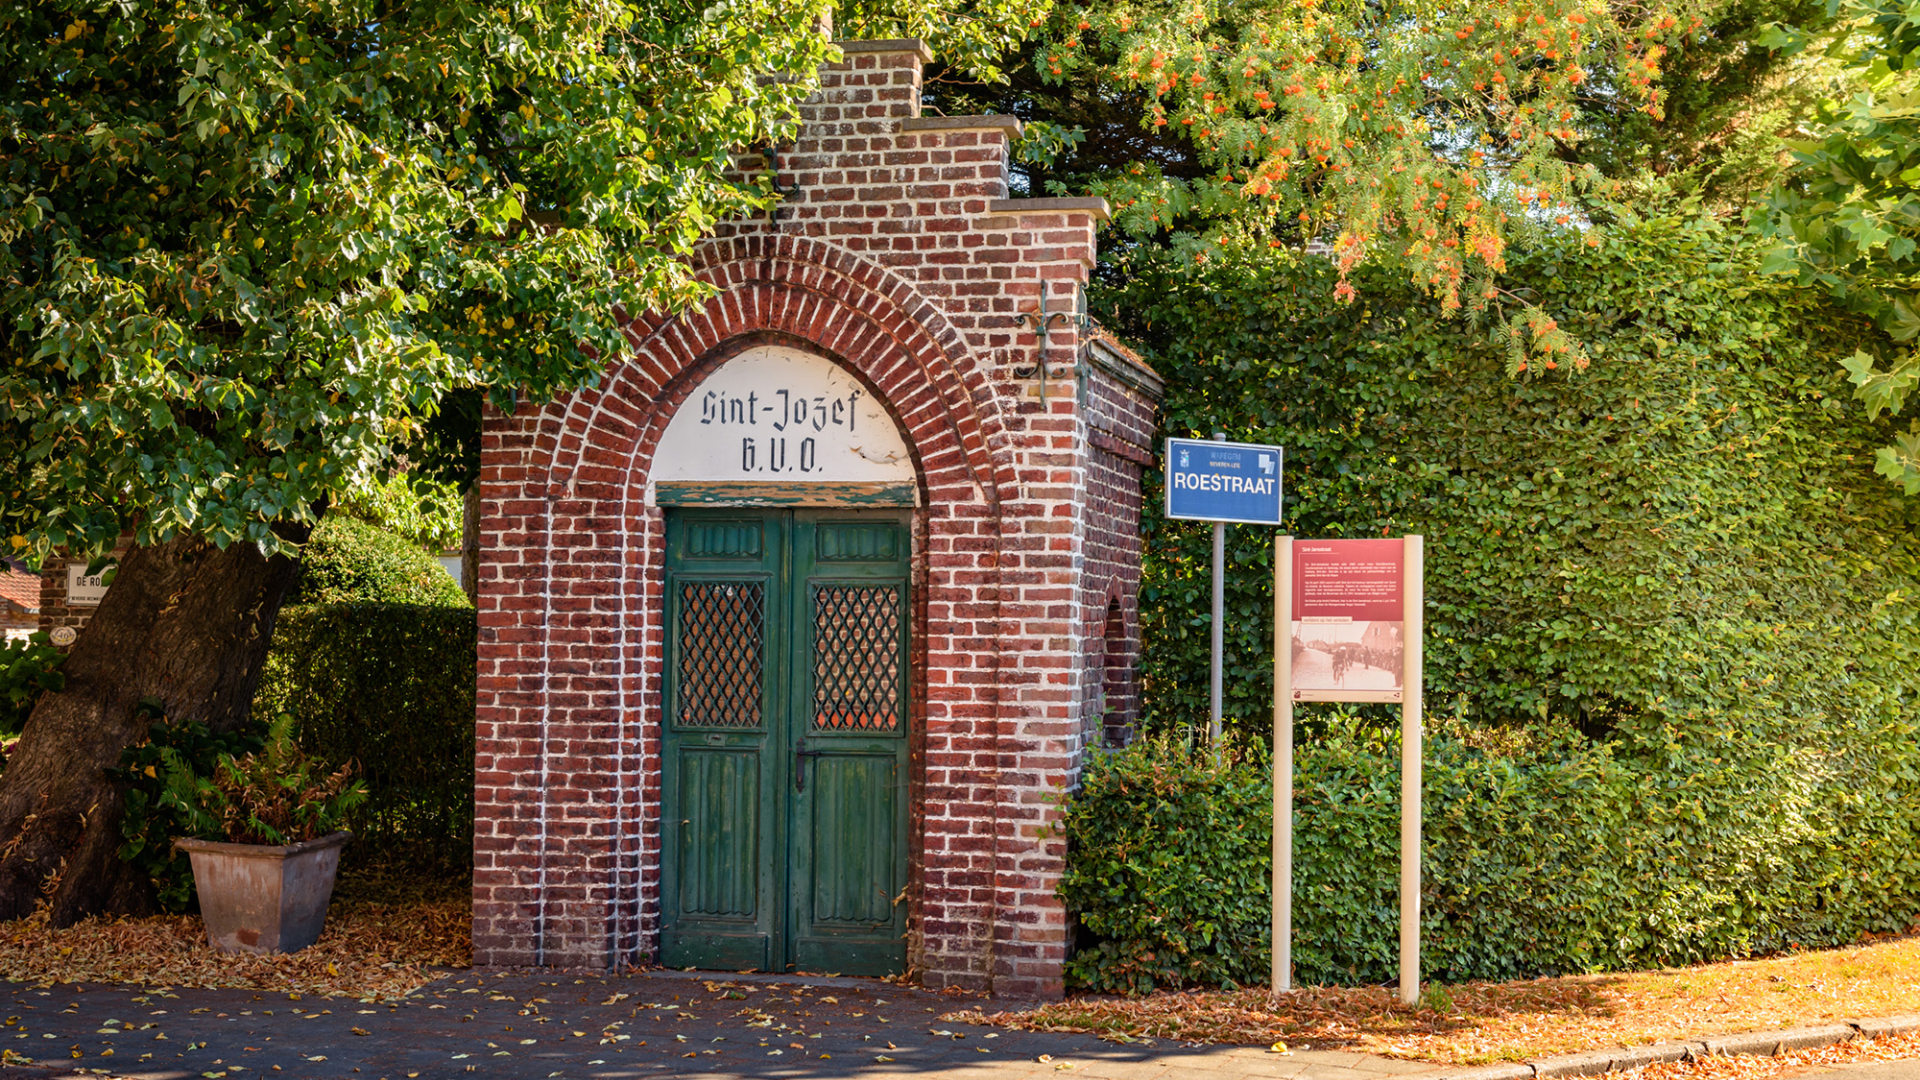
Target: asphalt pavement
(592,1026)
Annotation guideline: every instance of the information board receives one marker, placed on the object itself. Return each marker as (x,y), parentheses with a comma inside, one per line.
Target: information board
(1353,610)
(1223,481)
(1349,610)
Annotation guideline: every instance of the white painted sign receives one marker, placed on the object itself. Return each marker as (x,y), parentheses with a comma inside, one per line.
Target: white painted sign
(84,589)
(778,415)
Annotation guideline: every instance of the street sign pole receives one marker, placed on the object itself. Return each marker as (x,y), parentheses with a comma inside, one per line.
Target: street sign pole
(1219,624)
(1282,976)
(1222,482)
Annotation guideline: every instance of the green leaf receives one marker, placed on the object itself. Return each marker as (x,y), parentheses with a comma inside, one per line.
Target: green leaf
(1883,391)
(1900,462)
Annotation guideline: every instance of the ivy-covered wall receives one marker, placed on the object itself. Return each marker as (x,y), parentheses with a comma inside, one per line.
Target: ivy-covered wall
(1671,643)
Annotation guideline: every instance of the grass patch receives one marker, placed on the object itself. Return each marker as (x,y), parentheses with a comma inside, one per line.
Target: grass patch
(1480,1023)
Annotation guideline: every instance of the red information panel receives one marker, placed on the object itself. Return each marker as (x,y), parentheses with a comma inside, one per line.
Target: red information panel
(1349,611)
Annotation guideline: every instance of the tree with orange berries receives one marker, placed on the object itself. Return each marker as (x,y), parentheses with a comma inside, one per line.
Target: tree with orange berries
(1425,134)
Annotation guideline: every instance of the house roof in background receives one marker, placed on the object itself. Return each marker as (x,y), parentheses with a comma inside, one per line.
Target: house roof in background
(20,589)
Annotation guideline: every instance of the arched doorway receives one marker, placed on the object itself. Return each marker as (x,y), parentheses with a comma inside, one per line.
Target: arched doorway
(787,490)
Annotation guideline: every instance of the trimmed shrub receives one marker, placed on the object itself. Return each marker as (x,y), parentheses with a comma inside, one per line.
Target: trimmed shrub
(1558,858)
(348,561)
(1170,868)
(1689,531)
(391,687)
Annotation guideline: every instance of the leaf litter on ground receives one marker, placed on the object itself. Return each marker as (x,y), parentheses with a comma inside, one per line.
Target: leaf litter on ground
(369,950)
(1794,1063)
(1478,1023)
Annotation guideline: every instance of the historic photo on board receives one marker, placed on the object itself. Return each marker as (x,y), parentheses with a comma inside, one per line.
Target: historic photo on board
(1348,620)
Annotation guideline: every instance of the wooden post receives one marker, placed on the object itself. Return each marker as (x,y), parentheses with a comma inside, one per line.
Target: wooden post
(1282,978)
(1412,683)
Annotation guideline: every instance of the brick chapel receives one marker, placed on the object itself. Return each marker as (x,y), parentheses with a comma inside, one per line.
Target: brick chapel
(792,629)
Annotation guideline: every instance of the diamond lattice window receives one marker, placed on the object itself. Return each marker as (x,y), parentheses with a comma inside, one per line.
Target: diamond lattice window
(856,657)
(720,653)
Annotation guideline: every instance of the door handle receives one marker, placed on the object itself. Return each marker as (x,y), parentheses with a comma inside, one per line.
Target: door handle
(800,756)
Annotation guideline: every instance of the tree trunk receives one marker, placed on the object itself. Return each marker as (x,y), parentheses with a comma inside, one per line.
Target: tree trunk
(184,623)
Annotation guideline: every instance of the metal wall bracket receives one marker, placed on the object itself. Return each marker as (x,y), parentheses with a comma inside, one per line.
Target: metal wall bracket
(771,155)
(1042,325)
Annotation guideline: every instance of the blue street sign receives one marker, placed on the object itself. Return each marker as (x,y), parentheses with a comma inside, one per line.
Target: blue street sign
(1223,481)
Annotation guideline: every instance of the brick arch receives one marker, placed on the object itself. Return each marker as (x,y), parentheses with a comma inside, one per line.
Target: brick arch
(856,312)
(592,454)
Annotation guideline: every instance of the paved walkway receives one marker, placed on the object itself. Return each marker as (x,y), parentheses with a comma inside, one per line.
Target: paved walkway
(645,1025)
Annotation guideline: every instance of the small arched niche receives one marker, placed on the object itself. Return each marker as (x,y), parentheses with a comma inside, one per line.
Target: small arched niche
(780,426)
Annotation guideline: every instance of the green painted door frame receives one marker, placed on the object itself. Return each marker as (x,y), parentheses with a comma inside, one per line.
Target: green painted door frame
(784,786)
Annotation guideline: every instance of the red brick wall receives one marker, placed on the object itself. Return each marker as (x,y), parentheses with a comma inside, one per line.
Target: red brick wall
(1120,429)
(54,609)
(901,259)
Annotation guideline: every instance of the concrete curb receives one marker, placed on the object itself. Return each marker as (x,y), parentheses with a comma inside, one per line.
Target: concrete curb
(1761,1043)
(1887,1025)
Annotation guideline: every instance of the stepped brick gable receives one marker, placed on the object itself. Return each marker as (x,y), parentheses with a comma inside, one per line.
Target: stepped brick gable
(901,259)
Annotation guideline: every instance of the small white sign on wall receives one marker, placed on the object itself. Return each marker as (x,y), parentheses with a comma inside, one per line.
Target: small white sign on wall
(780,425)
(84,589)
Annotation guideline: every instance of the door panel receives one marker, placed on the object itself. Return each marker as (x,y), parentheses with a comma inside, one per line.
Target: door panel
(852,840)
(723,653)
(856,664)
(720,850)
(850,684)
(785,831)
(722,902)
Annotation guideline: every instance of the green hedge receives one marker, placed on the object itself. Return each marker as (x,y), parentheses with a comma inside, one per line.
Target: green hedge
(1671,625)
(1689,530)
(1561,858)
(348,561)
(390,686)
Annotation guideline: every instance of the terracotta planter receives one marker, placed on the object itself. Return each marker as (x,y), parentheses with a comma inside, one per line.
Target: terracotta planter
(264,899)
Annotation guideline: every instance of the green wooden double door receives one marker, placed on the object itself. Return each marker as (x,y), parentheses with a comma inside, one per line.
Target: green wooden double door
(784,823)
